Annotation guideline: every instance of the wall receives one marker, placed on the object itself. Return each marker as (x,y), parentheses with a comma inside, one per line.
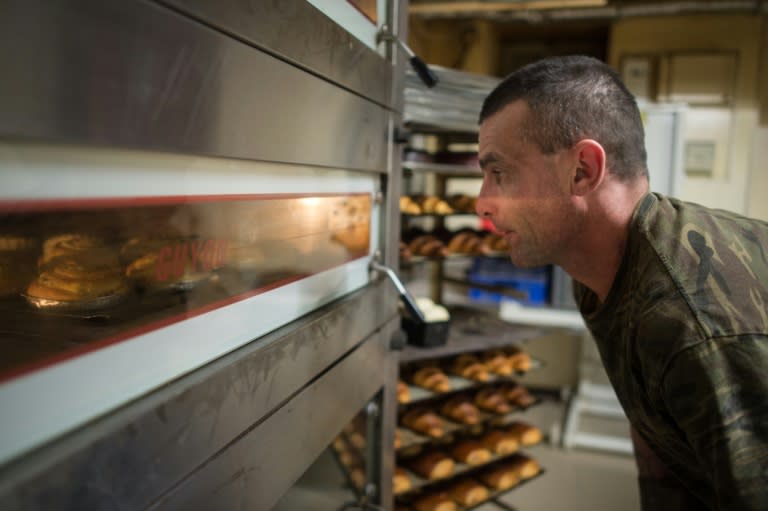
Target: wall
(706,33)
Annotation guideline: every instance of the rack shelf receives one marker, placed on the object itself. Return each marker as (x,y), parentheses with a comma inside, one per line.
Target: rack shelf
(446,169)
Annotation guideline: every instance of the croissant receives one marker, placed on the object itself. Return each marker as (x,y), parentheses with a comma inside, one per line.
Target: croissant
(403,392)
(499,477)
(467,242)
(518,394)
(398,439)
(409,206)
(470,367)
(461,410)
(423,421)
(497,362)
(432,465)
(520,359)
(434,502)
(500,442)
(462,202)
(523,466)
(492,400)
(432,378)
(428,246)
(470,452)
(435,205)
(525,433)
(468,492)
(400,481)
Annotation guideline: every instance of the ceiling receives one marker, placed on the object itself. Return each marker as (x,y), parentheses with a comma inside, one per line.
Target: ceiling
(536,11)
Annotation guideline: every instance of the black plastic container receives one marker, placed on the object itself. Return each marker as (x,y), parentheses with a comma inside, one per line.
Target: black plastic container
(426,333)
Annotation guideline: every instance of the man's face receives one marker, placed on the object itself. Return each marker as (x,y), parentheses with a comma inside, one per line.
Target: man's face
(526,194)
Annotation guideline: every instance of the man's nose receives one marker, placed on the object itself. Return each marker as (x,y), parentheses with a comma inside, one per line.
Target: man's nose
(484,206)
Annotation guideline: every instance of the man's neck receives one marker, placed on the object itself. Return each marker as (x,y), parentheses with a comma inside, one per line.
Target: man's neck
(596,258)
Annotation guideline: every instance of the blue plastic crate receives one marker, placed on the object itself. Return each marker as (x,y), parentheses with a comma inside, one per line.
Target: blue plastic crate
(535,283)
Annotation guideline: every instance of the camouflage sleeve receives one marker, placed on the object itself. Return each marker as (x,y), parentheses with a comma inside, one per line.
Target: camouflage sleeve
(717,393)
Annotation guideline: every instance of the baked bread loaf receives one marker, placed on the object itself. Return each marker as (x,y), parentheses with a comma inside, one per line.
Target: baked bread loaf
(470,367)
(497,362)
(499,477)
(434,502)
(423,421)
(492,400)
(523,466)
(500,442)
(432,465)
(461,409)
(468,492)
(517,394)
(525,433)
(470,452)
(519,358)
(431,378)
(466,242)
(400,481)
(403,392)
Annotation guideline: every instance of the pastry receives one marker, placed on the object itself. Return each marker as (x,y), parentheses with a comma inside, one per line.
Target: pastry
(461,409)
(403,393)
(398,439)
(517,394)
(470,367)
(525,433)
(500,442)
(357,440)
(466,242)
(357,475)
(428,245)
(462,202)
(470,452)
(431,378)
(519,358)
(523,466)
(85,277)
(432,465)
(400,481)
(495,243)
(492,400)
(69,245)
(423,421)
(468,492)
(435,205)
(409,206)
(434,502)
(497,362)
(405,252)
(499,477)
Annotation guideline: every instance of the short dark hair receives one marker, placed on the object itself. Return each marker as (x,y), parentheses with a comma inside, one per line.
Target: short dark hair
(575,97)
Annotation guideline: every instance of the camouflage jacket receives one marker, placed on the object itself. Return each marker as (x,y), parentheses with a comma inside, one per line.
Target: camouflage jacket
(683,335)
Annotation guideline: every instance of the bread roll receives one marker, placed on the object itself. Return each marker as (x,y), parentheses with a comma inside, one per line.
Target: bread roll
(435,205)
(470,367)
(434,502)
(525,433)
(466,242)
(497,362)
(470,452)
(492,400)
(428,245)
(409,206)
(432,465)
(400,481)
(357,475)
(468,492)
(423,421)
(500,442)
(461,409)
(431,378)
(499,477)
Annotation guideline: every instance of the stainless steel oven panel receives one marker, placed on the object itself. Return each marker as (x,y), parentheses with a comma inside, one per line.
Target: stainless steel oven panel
(140,75)
(134,457)
(299,33)
(255,470)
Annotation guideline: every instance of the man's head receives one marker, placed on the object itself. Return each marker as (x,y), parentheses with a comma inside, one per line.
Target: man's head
(575,97)
(558,139)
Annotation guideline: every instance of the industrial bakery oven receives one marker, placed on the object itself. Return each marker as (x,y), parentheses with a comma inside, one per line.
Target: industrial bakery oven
(192,194)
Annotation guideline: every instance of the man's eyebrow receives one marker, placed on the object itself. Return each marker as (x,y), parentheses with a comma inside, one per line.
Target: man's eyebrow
(488,159)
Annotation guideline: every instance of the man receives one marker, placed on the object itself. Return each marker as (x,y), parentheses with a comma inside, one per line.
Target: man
(675,294)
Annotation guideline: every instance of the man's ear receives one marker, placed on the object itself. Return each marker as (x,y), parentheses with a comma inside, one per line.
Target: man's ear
(589,167)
